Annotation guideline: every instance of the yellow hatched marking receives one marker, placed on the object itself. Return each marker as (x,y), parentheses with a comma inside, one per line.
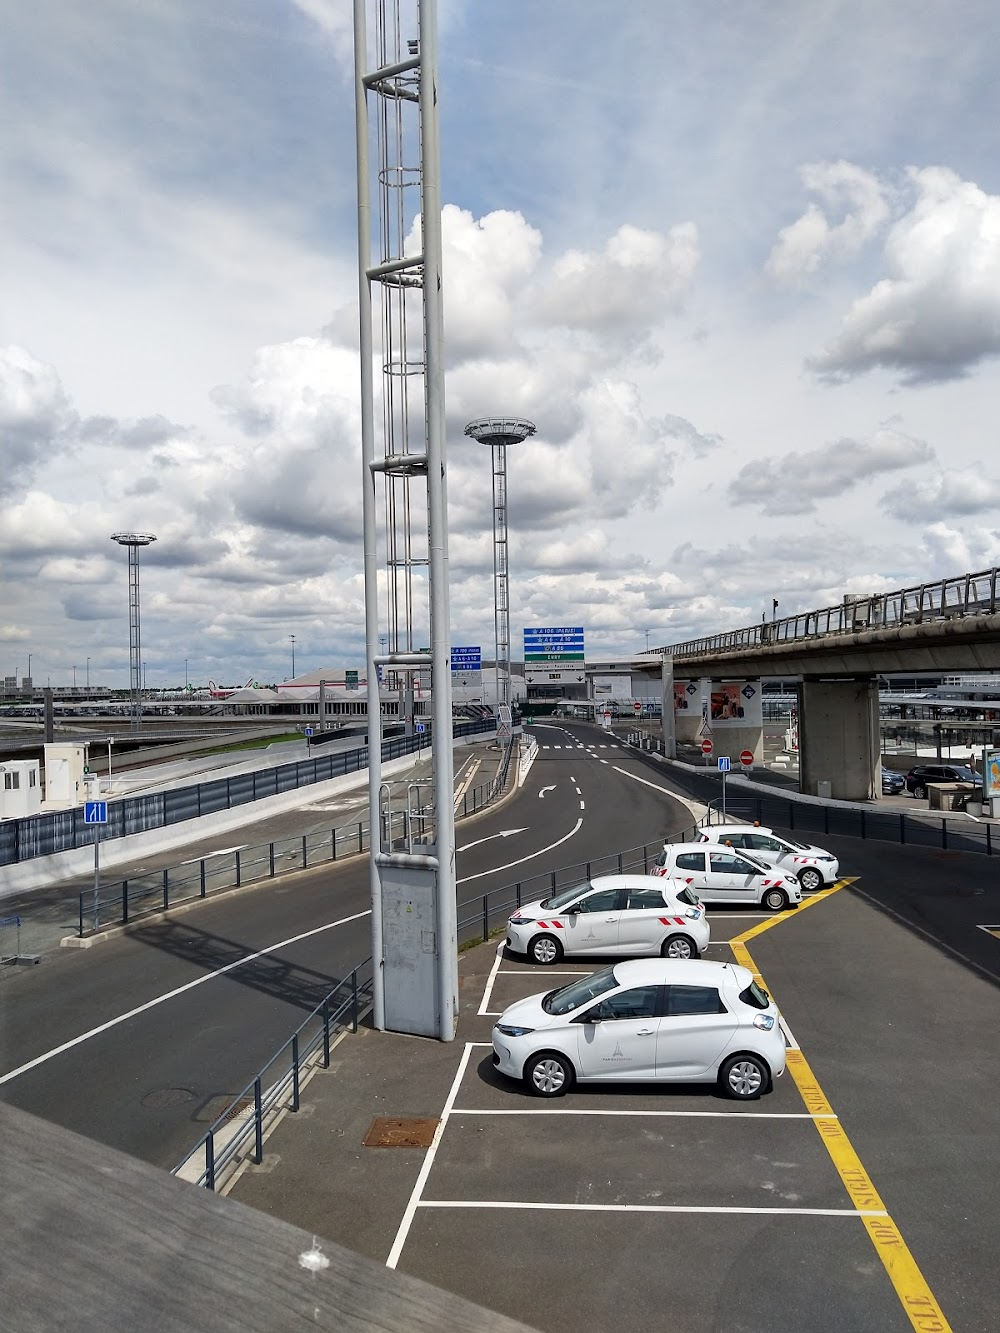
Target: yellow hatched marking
(911,1287)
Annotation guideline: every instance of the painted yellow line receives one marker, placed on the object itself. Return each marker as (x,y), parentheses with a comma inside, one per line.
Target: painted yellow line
(910,1285)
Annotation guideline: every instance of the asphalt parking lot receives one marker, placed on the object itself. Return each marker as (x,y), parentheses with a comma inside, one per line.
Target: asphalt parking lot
(656,1208)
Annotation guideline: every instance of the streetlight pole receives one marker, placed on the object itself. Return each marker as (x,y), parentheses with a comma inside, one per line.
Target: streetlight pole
(185,673)
(88,673)
(74,678)
(111,741)
(29,666)
(292,638)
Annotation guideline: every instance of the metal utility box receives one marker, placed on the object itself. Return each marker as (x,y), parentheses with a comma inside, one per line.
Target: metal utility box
(951,795)
(410,974)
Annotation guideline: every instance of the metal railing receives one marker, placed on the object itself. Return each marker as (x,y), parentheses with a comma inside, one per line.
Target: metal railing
(967,595)
(65,830)
(128,900)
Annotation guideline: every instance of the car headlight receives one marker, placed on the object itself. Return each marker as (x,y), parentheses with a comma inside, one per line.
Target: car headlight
(518,920)
(509,1030)
(693,913)
(763,1021)
(826,858)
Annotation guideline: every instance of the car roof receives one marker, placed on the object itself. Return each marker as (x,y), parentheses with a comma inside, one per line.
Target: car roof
(627,881)
(680,972)
(741,828)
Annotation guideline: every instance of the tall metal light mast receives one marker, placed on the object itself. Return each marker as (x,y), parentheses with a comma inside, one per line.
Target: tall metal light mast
(498,433)
(414,937)
(134,540)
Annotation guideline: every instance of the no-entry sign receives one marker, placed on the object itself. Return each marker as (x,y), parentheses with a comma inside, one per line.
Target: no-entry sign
(746,758)
(706,746)
(637,706)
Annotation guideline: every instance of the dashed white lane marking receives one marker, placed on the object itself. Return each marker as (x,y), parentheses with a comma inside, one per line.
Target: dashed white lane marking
(172,994)
(222,851)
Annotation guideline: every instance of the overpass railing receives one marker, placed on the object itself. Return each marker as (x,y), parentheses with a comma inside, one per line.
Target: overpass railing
(967,595)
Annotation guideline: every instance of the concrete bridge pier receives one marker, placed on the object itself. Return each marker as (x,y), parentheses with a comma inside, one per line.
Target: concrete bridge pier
(839,739)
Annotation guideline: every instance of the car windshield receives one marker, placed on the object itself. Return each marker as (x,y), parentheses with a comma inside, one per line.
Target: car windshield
(565,896)
(757,865)
(567,998)
(685,895)
(799,846)
(967,775)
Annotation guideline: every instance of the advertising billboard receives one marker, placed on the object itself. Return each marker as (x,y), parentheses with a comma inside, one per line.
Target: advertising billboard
(735,703)
(991,774)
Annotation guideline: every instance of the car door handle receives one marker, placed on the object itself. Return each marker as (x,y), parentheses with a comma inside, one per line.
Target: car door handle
(645,1032)
(610,918)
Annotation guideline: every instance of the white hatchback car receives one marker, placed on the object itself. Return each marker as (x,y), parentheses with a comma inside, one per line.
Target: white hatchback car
(627,914)
(812,866)
(656,1019)
(723,875)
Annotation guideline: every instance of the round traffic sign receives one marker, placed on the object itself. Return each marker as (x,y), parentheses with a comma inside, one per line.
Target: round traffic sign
(746,758)
(637,706)
(706,746)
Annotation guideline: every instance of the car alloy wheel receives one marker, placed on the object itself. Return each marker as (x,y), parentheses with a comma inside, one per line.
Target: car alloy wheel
(678,946)
(744,1077)
(776,900)
(811,880)
(545,950)
(548,1075)
(920,791)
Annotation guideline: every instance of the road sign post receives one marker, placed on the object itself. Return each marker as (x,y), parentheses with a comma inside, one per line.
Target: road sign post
(724,766)
(96,812)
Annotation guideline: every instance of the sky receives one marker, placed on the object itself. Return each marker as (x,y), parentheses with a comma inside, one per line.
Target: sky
(739,263)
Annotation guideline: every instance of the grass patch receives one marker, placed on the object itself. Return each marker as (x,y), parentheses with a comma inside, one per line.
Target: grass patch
(466,945)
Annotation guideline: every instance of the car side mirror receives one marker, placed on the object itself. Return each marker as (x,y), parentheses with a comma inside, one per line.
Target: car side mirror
(575,910)
(589,1018)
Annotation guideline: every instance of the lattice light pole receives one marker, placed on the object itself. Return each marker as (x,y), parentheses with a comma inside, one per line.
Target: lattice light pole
(134,540)
(498,433)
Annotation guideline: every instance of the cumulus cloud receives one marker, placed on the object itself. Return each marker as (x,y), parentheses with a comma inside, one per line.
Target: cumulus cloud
(637,277)
(936,313)
(35,415)
(695,442)
(854,208)
(962,491)
(793,483)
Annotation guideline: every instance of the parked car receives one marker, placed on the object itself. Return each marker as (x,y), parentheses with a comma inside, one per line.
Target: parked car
(893,782)
(658,1019)
(812,866)
(625,914)
(919,777)
(724,875)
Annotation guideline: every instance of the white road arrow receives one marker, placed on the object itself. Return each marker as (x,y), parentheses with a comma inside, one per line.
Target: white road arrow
(507,833)
(541,794)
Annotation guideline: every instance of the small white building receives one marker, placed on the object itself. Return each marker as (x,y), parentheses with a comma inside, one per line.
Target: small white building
(20,788)
(64,764)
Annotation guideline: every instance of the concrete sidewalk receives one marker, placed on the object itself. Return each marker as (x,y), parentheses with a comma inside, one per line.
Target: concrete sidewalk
(316,1172)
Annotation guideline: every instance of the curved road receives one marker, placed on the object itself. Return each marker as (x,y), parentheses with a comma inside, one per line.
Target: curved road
(106,1041)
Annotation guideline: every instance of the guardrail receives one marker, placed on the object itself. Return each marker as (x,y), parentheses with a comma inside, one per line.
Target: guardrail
(65,830)
(967,595)
(157,891)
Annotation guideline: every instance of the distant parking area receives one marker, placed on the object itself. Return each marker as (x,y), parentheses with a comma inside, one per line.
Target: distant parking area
(595,1206)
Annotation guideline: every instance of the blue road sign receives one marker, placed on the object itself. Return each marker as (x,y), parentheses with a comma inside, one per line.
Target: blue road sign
(95,812)
(309,731)
(420,728)
(554,643)
(466,659)
(724,763)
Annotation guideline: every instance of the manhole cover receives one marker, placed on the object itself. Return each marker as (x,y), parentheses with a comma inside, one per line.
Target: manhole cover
(224,1103)
(387,1132)
(167,1097)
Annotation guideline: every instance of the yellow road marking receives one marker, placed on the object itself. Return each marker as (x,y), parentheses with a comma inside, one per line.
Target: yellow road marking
(910,1285)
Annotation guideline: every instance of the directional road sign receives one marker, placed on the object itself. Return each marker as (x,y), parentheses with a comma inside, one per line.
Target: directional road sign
(724,764)
(95,812)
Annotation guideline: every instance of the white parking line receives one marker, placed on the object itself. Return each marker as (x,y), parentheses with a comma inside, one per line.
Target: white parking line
(697,1115)
(790,1041)
(650,1208)
(490,980)
(537,972)
(428,1162)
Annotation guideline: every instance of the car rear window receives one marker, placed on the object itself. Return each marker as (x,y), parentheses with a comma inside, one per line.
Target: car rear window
(755,996)
(694,1000)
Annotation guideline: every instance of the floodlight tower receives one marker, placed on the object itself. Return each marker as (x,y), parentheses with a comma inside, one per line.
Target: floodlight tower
(134,540)
(498,433)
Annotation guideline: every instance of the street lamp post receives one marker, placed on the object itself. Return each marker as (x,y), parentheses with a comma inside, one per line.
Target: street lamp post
(111,741)
(88,673)
(74,678)
(292,638)
(185,673)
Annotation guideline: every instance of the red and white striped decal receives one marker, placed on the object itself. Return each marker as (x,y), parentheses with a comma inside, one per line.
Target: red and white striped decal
(550,925)
(671,920)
